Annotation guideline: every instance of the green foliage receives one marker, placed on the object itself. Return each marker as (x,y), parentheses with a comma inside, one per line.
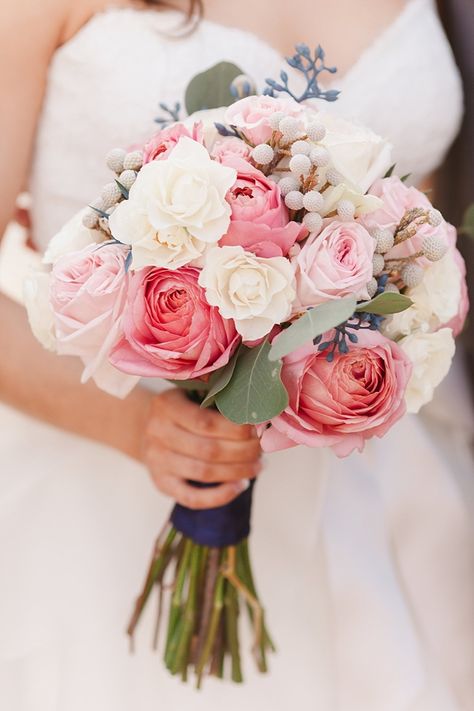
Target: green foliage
(211,89)
(385,304)
(314,323)
(467,227)
(255,392)
(220,379)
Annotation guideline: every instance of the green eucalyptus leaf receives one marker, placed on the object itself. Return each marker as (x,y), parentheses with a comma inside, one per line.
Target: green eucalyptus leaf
(255,392)
(386,304)
(211,89)
(314,323)
(467,227)
(389,172)
(219,380)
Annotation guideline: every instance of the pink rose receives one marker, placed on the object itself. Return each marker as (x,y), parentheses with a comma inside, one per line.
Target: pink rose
(170,331)
(398,198)
(87,295)
(341,404)
(160,145)
(259,220)
(226,148)
(333,264)
(457,323)
(252,115)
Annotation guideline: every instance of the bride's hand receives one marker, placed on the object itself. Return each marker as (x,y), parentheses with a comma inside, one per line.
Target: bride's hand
(183,441)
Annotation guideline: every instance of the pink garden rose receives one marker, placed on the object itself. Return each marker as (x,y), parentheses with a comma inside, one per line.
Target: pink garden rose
(335,263)
(227,147)
(160,145)
(341,404)
(398,198)
(259,220)
(88,291)
(170,331)
(251,115)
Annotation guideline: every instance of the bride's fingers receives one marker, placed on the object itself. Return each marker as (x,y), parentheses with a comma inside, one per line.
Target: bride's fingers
(202,421)
(193,498)
(198,470)
(209,449)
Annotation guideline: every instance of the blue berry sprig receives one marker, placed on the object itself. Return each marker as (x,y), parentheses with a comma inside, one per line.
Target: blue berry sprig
(346,333)
(311,66)
(172,115)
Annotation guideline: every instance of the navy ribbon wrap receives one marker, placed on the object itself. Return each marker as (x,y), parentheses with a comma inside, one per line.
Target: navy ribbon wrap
(219,527)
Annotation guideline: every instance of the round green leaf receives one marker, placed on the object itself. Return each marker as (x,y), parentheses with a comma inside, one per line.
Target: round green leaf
(211,89)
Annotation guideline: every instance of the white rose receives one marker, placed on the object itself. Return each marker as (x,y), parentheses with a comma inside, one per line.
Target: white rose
(435,301)
(176,208)
(38,308)
(255,292)
(363,203)
(72,237)
(431,355)
(359,154)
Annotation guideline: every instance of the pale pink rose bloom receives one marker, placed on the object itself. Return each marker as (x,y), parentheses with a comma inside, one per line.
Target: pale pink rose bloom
(163,142)
(87,295)
(340,404)
(398,198)
(225,148)
(259,220)
(170,331)
(457,323)
(252,114)
(333,264)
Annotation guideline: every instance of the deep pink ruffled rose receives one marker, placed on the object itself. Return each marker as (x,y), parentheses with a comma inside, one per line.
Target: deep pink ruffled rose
(170,331)
(398,198)
(259,220)
(343,403)
(226,147)
(252,115)
(88,292)
(335,263)
(457,323)
(160,145)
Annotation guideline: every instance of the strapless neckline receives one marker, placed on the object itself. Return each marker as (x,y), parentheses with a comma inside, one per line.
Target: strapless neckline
(168,19)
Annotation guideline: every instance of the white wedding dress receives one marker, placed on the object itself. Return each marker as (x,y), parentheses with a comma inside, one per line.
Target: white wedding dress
(365,564)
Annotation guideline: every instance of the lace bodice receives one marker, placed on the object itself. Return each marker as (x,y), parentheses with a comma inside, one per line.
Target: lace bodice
(106,83)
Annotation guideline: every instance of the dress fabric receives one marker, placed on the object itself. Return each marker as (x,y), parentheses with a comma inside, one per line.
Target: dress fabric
(366,565)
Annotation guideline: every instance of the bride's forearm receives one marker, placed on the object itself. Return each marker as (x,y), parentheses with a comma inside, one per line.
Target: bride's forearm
(48,387)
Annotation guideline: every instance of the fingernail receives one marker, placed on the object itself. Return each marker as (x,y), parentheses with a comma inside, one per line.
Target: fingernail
(243,484)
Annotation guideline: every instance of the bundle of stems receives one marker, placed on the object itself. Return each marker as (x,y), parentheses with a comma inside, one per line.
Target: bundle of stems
(209,587)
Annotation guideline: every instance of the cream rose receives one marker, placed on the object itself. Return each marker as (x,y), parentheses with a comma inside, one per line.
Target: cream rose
(40,314)
(255,292)
(176,208)
(431,355)
(72,237)
(359,154)
(435,301)
(363,204)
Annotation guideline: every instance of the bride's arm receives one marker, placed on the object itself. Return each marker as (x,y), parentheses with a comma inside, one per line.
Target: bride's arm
(173,437)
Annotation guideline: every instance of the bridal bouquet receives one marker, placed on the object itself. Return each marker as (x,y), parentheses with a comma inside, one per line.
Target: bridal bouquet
(266,257)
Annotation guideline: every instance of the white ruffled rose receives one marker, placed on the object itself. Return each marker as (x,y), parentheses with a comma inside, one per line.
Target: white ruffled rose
(72,237)
(176,208)
(208,118)
(255,292)
(435,301)
(357,153)
(38,308)
(431,355)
